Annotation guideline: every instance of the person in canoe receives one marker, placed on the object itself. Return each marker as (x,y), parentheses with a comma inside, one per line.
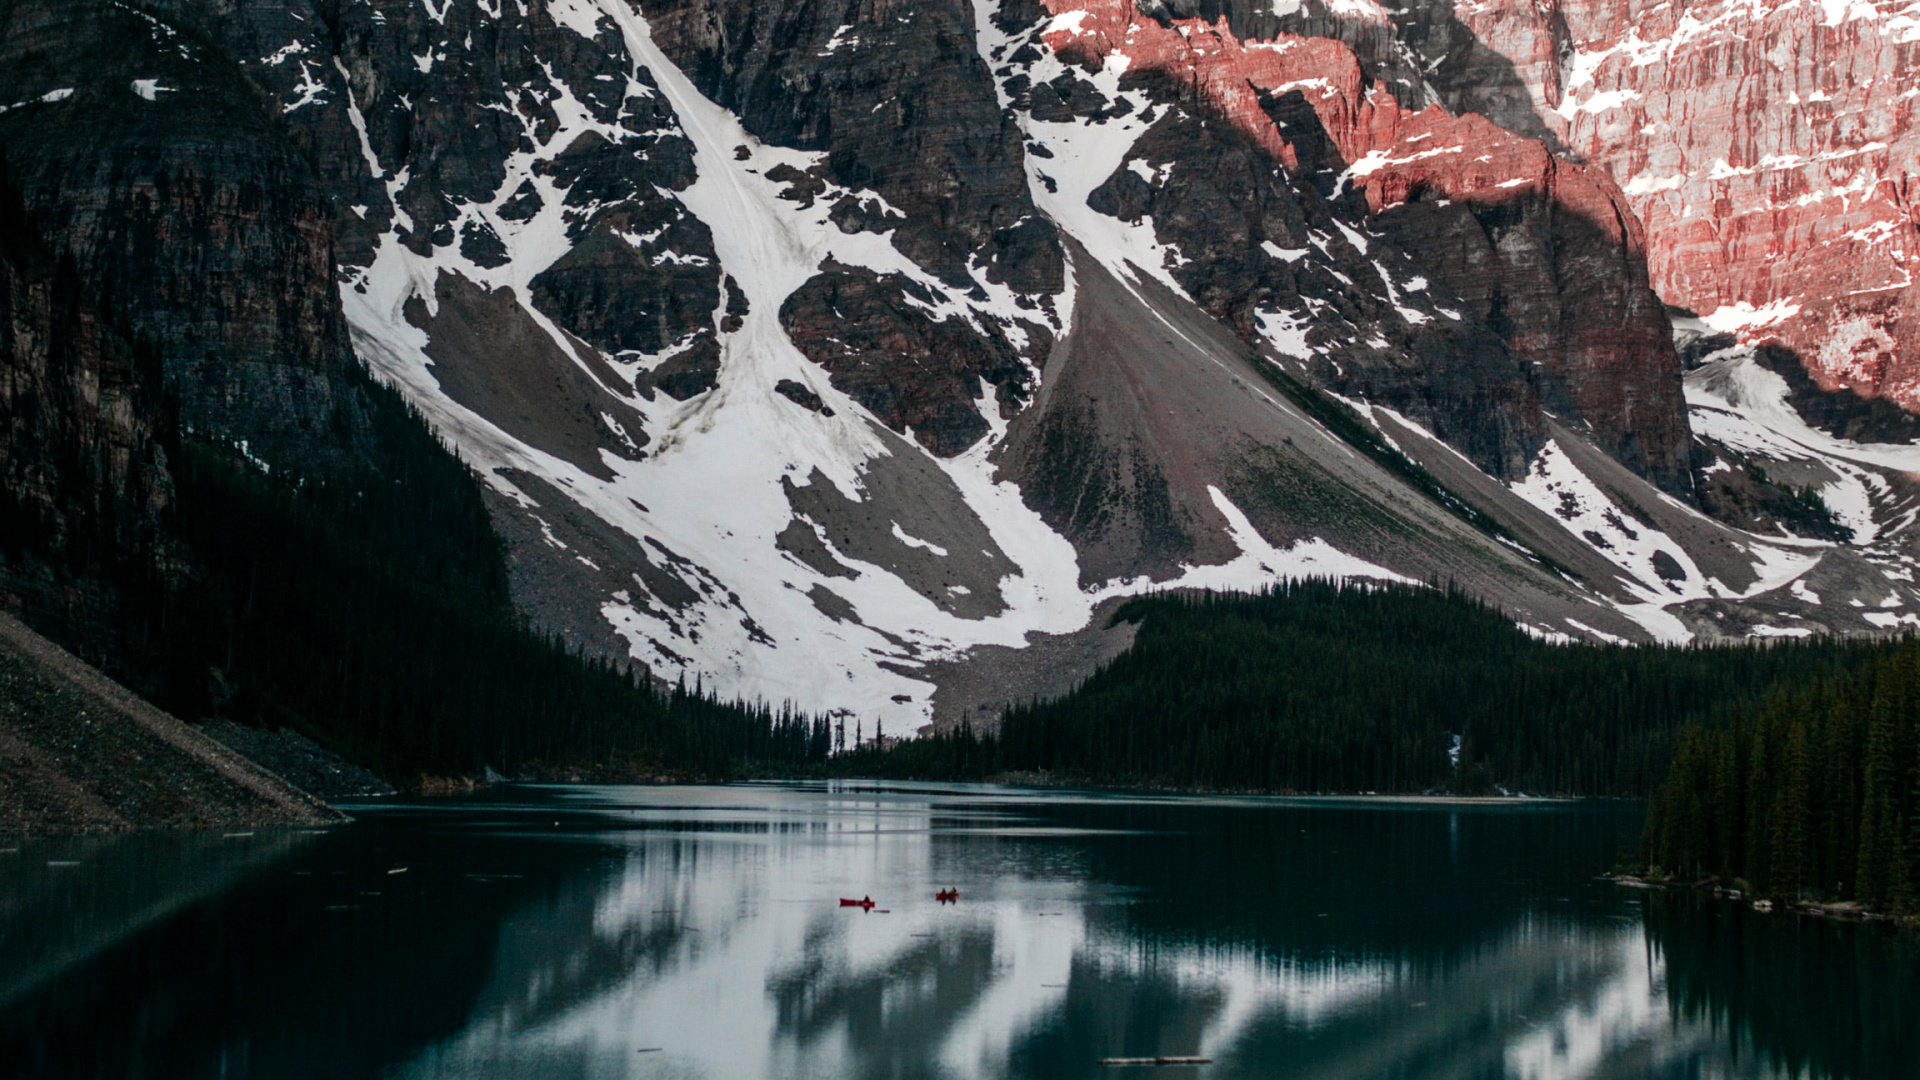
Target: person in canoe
(948,896)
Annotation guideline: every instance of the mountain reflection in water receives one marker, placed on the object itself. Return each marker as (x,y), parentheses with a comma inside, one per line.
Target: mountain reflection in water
(695,932)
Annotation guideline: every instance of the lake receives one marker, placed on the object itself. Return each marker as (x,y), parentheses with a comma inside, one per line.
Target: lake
(683,932)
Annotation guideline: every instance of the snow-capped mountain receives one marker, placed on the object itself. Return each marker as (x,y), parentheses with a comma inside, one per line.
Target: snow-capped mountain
(860,354)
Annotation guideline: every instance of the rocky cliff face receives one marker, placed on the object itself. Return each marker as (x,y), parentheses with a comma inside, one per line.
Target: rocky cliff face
(527,130)
(1769,149)
(526,151)
(1541,252)
(83,473)
(145,153)
(896,98)
(1766,148)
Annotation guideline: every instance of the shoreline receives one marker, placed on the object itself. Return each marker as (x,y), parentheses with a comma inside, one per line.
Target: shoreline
(430,786)
(79,753)
(1048,781)
(1842,911)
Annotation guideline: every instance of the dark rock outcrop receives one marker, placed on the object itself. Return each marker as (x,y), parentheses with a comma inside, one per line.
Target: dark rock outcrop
(801,396)
(896,100)
(894,94)
(497,139)
(149,157)
(83,466)
(873,337)
(1766,148)
(1556,265)
(1217,197)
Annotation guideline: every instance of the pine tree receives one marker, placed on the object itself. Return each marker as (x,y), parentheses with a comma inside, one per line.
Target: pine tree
(1878,823)
(1757,865)
(1790,826)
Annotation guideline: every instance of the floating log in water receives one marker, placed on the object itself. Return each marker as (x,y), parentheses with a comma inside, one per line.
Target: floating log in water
(1157,1061)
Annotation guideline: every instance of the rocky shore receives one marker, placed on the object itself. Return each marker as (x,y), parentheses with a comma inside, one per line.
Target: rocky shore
(80,753)
(1844,911)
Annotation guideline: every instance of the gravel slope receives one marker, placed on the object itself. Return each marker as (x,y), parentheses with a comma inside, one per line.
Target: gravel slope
(79,752)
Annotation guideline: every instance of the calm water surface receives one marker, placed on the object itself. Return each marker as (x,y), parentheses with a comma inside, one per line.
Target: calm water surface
(695,932)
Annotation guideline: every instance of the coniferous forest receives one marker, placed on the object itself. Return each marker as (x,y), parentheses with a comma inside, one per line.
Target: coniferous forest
(1814,795)
(1316,687)
(371,613)
(375,616)
(1791,768)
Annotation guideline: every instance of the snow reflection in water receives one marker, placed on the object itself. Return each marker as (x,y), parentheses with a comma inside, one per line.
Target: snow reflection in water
(715,936)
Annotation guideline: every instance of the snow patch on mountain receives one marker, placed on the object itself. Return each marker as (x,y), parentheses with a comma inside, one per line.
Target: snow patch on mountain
(1735,399)
(1260,564)
(1656,569)
(708,496)
(1081,153)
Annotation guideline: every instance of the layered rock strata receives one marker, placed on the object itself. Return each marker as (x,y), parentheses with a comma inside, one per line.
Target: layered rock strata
(1767,148)
(83,469)
(1542,252)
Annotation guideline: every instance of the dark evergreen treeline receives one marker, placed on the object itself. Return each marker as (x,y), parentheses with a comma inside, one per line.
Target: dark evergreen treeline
(1816,794)
(959,753)
(1316,687)
(371,613)
(375,616)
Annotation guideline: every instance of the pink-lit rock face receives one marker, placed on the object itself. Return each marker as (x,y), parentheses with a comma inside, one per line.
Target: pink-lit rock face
(1768,147)
(1226,71)
(1556,263)
(1393,152)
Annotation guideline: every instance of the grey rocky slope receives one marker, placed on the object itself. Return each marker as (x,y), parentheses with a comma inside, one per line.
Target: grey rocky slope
(79,753)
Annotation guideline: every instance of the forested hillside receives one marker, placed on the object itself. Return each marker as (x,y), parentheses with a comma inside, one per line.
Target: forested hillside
(372,613)
(1817,794)
(1791,769)
(1316,687)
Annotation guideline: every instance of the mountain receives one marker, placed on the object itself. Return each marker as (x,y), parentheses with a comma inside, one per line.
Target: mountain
(864,355)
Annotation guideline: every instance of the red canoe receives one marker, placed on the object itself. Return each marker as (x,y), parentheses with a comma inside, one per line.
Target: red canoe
(865,902)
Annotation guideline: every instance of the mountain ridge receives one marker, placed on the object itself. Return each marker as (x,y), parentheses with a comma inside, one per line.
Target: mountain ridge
(820,352)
